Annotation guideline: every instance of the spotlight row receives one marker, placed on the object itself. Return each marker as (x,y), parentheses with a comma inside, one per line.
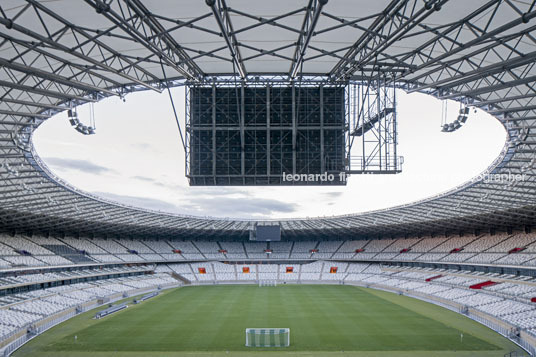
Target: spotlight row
(75,122)
(457,124)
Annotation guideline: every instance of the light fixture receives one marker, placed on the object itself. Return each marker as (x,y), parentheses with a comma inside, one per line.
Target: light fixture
(457,124)
(518,139)
(80,127)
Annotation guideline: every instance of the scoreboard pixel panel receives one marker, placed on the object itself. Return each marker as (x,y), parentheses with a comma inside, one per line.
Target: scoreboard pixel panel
(260,135)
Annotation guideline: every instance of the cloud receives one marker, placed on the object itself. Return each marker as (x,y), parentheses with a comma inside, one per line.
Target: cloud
(196,191)
(142,202)
(77,165)
(240,207)
(142,146)
(333,194)
(144,178)
(215,207)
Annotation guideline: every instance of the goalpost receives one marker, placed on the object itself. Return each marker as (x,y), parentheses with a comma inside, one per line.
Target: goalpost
(267,337)
(267,282)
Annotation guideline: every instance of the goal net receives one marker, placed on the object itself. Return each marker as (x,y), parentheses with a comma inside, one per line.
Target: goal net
(267,282)
(267,337)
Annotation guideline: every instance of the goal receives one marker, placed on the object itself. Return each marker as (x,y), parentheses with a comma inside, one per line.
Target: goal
(267,337)
(267,282)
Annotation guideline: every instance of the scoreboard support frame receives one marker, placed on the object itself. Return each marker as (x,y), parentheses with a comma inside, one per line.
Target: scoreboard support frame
(241,151)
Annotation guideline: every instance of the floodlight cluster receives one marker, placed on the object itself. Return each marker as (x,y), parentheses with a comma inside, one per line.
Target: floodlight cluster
(457,124)
(79,126)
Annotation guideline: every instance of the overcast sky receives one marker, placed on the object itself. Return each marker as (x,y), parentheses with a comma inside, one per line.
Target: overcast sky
(136,158)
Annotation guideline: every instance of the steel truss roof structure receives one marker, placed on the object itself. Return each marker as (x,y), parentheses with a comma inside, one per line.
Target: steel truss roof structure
(58,54)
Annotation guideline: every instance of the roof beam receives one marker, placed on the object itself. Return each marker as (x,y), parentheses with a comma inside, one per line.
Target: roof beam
(58,46)
(45,92)
(32,47)
(33,104)
(228,34)
(482,103)
(374,41)
(272,52)
(179,24)
(158,41)
(511,110)
(22,114)
(479,73)
(53,77)
(262,21)
(306,33)
(443,34)
(496,87)
(344,23)
(473,43)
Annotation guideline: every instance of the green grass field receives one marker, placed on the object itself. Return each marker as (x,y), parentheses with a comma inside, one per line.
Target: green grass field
(324,321)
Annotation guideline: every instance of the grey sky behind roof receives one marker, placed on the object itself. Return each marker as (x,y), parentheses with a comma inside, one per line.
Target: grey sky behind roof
(136,158)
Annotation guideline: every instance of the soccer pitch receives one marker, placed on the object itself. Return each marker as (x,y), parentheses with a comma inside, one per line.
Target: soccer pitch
(324,320)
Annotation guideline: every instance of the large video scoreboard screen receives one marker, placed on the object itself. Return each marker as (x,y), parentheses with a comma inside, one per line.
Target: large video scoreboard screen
(266,135)
(268,233)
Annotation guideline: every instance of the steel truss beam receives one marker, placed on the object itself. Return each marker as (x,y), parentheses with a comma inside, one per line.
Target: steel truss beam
(45,92)
(444,65)
(312,14)
(30,47)
(54,77)
(22,114)
(398,18)
(457,47)
(219,8)
(32,104)
(476,92)
(148,31)
(55,44)
(479,73)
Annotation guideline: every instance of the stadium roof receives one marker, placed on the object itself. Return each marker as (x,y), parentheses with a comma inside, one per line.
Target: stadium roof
(57,54)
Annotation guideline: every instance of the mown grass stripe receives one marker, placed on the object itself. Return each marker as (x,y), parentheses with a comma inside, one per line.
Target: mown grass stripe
(322,319)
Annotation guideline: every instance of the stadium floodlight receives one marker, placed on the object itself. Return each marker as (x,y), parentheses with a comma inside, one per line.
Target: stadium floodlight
(79,126)
(21,138)
(520,138)
(73,117)
(457,124)
(523,134)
